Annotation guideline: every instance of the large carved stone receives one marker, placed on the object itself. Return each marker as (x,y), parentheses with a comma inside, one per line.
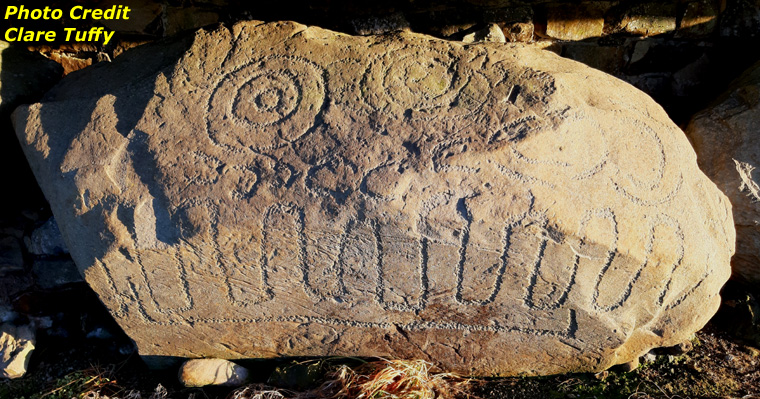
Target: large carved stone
(278,190)
(725,137)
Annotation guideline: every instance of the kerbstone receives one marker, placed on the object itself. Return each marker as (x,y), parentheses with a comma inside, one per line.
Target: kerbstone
(725,136)
(281,190)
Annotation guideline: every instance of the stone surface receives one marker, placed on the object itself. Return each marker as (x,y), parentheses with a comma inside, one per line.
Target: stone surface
(576,21)
(608,59)
(518,31)
(516,22)
(492,33)
(493,208)
(11,255)
(219,372)
(24,76)
(380,25)
(699,19)
(687,80)
(650,19)
(70,63)
(179,19)
(54,273)
(725,136)
(16,346)
(46,240)
(741,18)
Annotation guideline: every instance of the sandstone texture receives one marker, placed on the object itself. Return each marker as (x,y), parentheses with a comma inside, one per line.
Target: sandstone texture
(281,190)
(650,19)
(575,21)
(725,136)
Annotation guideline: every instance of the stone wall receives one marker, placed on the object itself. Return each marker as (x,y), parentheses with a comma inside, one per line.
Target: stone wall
(682,53)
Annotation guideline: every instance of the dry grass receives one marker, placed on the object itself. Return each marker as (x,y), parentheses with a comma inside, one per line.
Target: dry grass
(260,391)
(391,379)
(395,379)
(93,382)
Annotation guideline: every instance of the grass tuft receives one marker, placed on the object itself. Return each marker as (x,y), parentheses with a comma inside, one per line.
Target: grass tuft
(260,391)
(395,379)
(387,379)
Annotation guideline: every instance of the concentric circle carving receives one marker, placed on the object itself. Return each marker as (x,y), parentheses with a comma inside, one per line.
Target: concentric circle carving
(266,103)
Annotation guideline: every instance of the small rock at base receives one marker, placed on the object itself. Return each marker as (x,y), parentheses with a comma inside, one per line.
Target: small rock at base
(47,240)
(630,366)
(219,372)
(16,346)
(602,375)
(492,33)
(680,349)
(650,19)
(650,357)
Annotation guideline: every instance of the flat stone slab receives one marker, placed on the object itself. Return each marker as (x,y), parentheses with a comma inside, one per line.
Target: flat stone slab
(281,190)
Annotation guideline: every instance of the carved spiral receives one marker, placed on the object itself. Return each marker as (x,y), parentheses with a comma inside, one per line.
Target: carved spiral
(266,103)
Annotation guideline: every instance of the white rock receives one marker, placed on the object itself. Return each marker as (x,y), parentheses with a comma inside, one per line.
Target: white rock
(16,346)
(490,34)
(202,372)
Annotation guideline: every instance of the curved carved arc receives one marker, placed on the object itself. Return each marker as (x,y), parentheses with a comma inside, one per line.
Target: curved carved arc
(501,260)
(142,267)
(450,156)
(395,254)
(165,279)
(233,259)
(237,177)
(116,294)
(236,275)
(283,253)
(323,269)
(594,245)
(285,244)
(629,179)
(577,149)
(665,220)
(650,268)
(131,292)
(357,263)
(473,95)
(547,275)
